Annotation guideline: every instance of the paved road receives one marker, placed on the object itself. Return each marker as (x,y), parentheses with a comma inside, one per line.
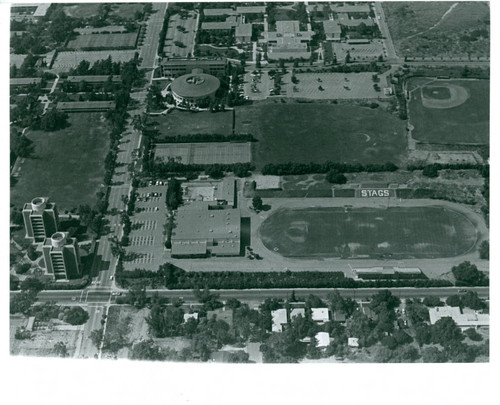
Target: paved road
(384,29)
(102,295)
(155,23)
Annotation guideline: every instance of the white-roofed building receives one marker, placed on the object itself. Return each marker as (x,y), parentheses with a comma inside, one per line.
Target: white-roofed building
(190,316)
(320,315)
(296,312)
(322,339)
(280,318)
(353,342)
(464,319)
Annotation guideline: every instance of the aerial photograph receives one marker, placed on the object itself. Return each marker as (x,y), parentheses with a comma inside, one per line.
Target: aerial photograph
(250,182)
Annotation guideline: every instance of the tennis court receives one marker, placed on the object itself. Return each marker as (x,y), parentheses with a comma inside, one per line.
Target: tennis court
(206,153)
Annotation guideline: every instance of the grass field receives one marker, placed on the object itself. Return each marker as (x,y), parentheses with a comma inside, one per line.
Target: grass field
(104,41)
(68,165)
(399,233)
(439,29)
(302,132)
(466,123)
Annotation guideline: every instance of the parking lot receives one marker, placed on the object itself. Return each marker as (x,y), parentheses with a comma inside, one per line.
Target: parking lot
(257,87)
(146,238)
(181,30)
(337,86)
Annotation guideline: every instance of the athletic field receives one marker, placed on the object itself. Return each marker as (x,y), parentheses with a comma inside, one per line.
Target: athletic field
(397,232)
(449,111)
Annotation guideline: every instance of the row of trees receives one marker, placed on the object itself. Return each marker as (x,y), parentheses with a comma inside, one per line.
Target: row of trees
(291,168)
(208,138)
(174,277)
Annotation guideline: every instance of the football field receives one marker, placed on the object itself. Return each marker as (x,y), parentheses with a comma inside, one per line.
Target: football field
(395,232)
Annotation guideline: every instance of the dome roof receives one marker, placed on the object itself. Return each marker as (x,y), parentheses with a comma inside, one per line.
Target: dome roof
(195,85)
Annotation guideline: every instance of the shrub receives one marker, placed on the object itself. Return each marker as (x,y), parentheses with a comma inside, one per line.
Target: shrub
(77,316)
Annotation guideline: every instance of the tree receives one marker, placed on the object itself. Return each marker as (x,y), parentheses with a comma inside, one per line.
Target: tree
(60,349)
(468,274)
(484,250)
(238,357)
(165,321)
(32,284)
(334,177)
(22,268)
(22,302)
(433,355)
(446,332)
(215,171)
(137,296)
(21,146)
(471,300)
(96,336)
(209,300)
(423,334)
(76,316)
(433,302)
(53,120)
(384,299)
(454,301)
(257,203)
(430,171)
(147,350)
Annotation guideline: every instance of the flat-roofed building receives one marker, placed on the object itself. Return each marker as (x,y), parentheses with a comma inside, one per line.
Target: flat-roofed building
(85,106)
(280,318)
(180,67)
(98,79)
(41,219)
(243,33)
(24,82)
(288,42)
(333,31)
(363,8)
(62,257)
(227,25)
(202,232)
(251,10)
(320,315)
(322,339)
(217,12)
(464,318)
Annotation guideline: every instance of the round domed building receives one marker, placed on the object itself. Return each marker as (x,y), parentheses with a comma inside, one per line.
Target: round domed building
(195,89)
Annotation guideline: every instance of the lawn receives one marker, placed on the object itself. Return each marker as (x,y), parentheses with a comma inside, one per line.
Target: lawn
(301,132)
(67,166)
(417,232)
(466,123)
(103,41)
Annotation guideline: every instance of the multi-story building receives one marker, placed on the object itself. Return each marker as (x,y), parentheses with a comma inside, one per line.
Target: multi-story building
(62,256)
(41,219)
(180,67)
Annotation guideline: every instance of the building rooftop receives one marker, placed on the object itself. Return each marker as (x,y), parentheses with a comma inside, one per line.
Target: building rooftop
(251,9)
(93,79)
(279,319)
(322,339)
(83,105)
(320,314)
(244,30)
(332,27)
(195,85)
(212,12)
(189,316)
(296,312)
(461,318)
(355,22)
(357,8)
(353,342)
(222,25)
(24,81)
(95,30)
(389,270)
